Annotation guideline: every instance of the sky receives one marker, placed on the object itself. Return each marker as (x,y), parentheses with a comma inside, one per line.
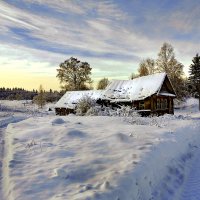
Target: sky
(113,36)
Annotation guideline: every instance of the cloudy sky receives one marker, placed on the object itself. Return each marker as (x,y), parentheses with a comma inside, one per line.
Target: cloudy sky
(113,36)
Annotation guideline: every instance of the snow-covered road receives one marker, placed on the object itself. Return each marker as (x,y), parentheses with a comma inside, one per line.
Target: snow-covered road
(4,121)
(191,188)
(1,157)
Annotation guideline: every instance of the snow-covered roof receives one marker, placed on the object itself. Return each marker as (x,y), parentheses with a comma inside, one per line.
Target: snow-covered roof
(166,94)
(136,89)
(71,98)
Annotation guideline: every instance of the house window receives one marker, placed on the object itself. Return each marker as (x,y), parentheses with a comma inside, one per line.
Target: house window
(158,103)
(163,104)
(141,105)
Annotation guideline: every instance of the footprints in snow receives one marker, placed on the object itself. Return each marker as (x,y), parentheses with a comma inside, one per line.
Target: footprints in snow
(98,186)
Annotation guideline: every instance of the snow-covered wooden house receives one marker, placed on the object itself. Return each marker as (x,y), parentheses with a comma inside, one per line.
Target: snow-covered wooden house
(152,94)
(69,100)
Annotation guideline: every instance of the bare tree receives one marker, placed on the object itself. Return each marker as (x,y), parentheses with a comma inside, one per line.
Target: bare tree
(143,71)
(147,67)
(102,84)
(167,62)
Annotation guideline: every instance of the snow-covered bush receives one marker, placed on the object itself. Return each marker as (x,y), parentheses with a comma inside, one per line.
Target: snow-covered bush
(161,121)
(94,111)
(123,111)
(126,111)
(84,104)
(88,106)
(98,111)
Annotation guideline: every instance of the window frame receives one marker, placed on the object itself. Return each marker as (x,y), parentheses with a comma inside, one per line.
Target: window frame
(141,105)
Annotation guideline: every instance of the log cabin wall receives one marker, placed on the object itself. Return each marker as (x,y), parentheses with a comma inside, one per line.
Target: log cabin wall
(157,105)
(63,111)
(136,105)
(162,104)
(147,104)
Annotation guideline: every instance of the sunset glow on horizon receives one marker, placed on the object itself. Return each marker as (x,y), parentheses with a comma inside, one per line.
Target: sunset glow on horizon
(28,81)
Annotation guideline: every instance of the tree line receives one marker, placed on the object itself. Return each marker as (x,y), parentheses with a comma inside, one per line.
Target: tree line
(16,94)
(43,96)
(22,94)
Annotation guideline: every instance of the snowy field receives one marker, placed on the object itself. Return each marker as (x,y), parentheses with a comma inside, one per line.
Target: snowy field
(22,106)
(13,112)
(101,158)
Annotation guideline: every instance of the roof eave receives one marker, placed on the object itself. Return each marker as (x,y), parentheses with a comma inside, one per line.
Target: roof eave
(162,84)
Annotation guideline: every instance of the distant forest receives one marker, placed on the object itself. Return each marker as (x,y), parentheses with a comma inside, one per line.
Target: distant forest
(22,94)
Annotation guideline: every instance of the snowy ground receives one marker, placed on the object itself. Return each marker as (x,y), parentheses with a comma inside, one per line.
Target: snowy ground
(13,112)
(190,189)
(49,157)
(22,106)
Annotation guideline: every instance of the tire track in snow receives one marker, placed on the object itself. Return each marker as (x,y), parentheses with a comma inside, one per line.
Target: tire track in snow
(13,119)
(3,124)
(1,158)
(191,189)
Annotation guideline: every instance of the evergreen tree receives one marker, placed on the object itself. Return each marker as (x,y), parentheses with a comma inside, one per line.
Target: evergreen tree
(16,94)
(194,78)
(74,74)
(40,99)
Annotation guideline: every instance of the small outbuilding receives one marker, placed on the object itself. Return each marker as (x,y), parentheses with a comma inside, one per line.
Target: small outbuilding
(152,94)
(67,103)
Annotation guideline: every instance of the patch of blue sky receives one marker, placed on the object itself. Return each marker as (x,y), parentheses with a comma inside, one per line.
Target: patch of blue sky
(25,39)
(143,11)
(183,37)
(156,5)
(25,36)
(145,16)
(8,38)
(29,6)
